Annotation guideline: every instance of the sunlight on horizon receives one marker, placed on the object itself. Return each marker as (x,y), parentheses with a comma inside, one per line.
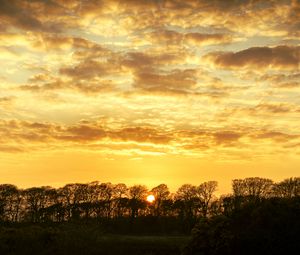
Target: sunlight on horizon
(149,92)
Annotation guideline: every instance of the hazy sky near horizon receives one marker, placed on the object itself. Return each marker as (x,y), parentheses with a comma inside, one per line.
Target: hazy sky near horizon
(149,92)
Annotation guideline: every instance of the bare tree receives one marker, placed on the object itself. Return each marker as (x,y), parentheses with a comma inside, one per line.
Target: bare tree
(161,194)
(186,200)
(253,187)
(106,191)
(36,200)
(287,188)
(71,195)
(239,188)
(10,200)
(205,192)
(120,199)
(137,199)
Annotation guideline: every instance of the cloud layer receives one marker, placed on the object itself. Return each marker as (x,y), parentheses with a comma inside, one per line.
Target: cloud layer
(193,78)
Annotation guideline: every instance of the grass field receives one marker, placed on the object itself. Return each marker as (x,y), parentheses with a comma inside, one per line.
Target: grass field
(44,241)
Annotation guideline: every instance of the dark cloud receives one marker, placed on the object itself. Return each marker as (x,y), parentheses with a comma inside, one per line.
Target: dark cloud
(89,134)
(170,37)
(278,78)
(144,47)
(282,80)
(275,136)
(141,134)
(199,38)
(11,149)
(266,109)
(227,137)
(59,42)
(40,77)
(292,24)
(93,64)
(28,15)
(93,61)
(273,108)
(211,138)
(177,81)
(141,60)
(94,87)
(89,86)
(258,57)
(58,15)
(6,102)
(82,132)
(93,52)
(202,5)
(288,85)
(165,36)
(87,69)
(52,85)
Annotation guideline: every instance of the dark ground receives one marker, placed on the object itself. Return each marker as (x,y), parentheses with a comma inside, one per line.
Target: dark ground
(84,239)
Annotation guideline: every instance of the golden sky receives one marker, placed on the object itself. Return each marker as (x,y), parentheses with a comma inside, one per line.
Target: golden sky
(149,92)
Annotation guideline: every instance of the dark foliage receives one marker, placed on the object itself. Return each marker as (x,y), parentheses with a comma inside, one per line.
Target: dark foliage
(264,226)
(260,217)
(96,200)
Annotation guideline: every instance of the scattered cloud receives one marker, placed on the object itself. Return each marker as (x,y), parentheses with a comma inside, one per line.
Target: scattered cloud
(31,15)
(171,37)
(279,57)
(22,135)
(207,39)
(176,77)
(176,81)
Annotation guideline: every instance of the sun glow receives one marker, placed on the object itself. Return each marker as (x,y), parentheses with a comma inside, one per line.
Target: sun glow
(138,99)
(150,198)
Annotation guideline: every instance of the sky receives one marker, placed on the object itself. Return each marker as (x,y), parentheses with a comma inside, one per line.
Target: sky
(149,92)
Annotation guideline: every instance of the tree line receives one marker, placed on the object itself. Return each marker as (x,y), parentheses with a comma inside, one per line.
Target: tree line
(260,217)
(105,200)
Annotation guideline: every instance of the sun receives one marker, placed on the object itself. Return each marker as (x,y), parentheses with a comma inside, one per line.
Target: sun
(150,198)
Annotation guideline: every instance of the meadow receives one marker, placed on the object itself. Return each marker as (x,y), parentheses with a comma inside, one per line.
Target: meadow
(84,239)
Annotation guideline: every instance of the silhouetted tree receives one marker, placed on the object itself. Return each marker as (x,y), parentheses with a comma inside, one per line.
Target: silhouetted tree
(205,192)
(253,187)
(120,198)
(287,188)
(106,192)
(105,200)
(266,226)
(137,199)
(10,200)
(47,212)
(186,201)
(71,195)
(36,199)
(161,194)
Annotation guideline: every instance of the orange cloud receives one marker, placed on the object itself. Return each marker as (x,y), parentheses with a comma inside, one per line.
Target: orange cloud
(6,100)
(282,80)
(28,15)
(198,38)
(87,135)
(177,81)
(284,57)
(201,79)
(170,37)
